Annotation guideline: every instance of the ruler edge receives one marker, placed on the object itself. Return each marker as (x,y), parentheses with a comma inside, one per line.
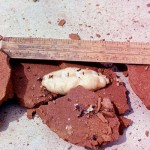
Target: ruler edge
(71,41)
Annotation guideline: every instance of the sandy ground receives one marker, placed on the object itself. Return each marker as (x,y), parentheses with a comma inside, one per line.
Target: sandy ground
(115,20)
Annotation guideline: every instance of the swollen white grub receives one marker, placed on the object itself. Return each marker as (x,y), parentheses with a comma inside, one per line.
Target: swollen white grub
(62,81)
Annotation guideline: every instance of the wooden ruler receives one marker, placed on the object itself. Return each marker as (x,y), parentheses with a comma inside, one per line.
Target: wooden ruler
(73,50)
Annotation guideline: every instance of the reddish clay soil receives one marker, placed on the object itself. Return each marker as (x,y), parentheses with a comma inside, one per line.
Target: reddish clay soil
(62,22)
(74,36)
(6,90)
(139,76)
(71,119)
(27,83)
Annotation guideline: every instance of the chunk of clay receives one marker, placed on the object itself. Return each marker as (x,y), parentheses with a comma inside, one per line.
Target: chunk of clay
(6,90)
(81,118)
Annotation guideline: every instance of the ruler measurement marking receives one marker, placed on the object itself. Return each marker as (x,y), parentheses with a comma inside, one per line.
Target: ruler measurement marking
(99,44)
(16,39)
